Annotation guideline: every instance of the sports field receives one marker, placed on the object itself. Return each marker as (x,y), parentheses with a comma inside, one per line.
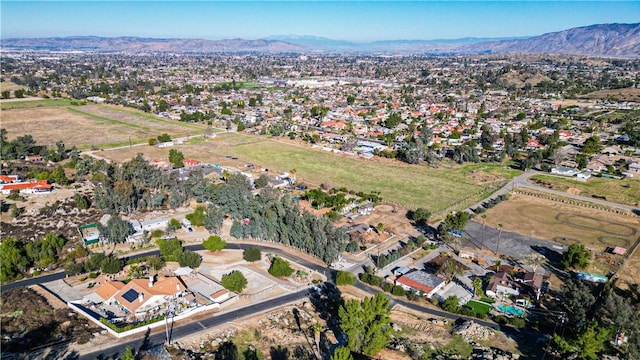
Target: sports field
(446,188)
(84,126)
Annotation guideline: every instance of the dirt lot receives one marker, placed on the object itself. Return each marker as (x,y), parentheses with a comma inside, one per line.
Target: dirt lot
(563,223)
(630,273)
(28,321)
(90,125)
(629,94)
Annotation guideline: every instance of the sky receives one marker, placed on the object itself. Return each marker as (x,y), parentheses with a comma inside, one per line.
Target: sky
(342,20)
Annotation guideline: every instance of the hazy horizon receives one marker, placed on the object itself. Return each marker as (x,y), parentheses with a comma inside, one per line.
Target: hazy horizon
(356,21)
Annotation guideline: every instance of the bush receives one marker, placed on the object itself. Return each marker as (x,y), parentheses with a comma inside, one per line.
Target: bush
(280,268)
(93,275)
(352,246)
(189,258)
(214,243)
(398,290)
(387,287)
(252,254)
(234,281)
(345,278)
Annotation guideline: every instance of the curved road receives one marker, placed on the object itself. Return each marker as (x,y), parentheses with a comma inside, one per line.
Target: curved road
(522,181)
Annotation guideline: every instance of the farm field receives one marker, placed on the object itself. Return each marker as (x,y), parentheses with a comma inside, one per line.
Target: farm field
(626,191)
(49,121)
(446,188)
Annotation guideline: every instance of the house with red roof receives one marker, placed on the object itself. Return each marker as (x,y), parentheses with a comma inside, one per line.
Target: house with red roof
(31,187)
(421,282)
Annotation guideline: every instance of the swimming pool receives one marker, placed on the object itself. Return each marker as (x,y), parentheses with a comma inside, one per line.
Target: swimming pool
(511,310)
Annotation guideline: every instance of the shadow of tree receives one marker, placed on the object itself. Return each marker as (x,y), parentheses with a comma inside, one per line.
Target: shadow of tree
(279,353)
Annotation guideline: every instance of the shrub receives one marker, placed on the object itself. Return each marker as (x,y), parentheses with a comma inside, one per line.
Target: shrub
(345,278)
(234,281)
(189,258)
(280,268)
(214,243)
(252,254)
(386,287)
(398,290)
(352,246)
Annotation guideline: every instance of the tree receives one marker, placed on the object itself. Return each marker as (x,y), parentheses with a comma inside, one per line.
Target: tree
(128,354)
(172,226)
(252,254)
(197,217)
(227,351)
(164,138)
(58,176)
(317,328)
(477,286)
(116,230)
(169,247)
(280,268)
(72,268)
(13,259)
(176,158)
(500,226)
(234,281)
(535,261)
(111,265)
(587,342)
(345,278)
(421,216)
(214,243)
(591,145)
(6,94)
(342,353)
(155,262)
(214,219)
(576,256)
(262,181)
(577,300)
(366,323)
(451,304)
(189,258)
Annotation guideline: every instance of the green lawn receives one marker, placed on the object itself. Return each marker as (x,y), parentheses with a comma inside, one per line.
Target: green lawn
(478,307)
(410,185)
(626,191)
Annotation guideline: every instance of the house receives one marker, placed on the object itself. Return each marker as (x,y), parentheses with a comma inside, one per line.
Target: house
(421,282)
(634,169)
(89,233)
(191,162)
(502,284)
(534,282)
(34,158)
(140,296)
(30,187)
(8,179)
(563,170)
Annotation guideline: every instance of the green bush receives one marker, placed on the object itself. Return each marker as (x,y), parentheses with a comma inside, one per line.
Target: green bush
(386,287)
(214,243)
(252,254)
(345,278)
(398,290)
(280,268)
(234,281)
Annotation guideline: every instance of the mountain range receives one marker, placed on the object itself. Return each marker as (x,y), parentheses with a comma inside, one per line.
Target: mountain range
(600,40)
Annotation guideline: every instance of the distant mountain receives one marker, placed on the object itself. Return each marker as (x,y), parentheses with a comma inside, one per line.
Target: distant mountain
(602,39)
(139,44)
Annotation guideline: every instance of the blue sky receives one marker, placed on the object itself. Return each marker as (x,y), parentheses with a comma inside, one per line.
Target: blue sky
(345,20)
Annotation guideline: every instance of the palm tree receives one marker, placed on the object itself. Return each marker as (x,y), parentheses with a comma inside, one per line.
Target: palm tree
(535,261)
(500,226)
(317,328)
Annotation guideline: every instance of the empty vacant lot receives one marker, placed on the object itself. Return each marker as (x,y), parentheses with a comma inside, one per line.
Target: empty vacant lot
(445,188)
(564,223)
(49,121)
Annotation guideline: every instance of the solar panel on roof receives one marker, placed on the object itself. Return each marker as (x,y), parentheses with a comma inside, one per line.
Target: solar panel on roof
(130,295)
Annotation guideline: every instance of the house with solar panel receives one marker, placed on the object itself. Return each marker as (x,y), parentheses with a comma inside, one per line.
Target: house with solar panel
(143,298)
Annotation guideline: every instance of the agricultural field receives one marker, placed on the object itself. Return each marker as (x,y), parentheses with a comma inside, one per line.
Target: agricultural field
(86,126)
(447,188)
(625,191)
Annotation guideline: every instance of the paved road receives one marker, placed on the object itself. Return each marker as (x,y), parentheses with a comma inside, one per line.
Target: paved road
(234,246)
(522,181)
(115,350)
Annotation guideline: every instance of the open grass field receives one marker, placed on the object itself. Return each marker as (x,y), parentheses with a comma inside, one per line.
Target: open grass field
(7,85)
(627,94)
(414,186)
(626,191)
(479,307)
(49,121)
(564,223)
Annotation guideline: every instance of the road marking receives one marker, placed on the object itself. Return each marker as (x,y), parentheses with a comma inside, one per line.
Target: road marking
(204,327)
